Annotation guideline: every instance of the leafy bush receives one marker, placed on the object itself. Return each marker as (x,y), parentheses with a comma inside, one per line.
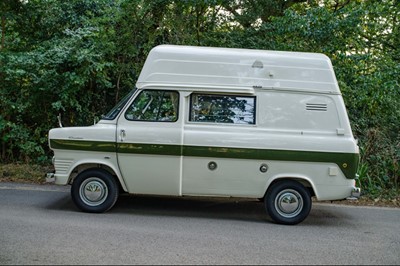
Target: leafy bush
(77,58)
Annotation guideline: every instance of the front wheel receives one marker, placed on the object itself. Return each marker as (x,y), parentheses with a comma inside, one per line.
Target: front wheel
(94,190)
(288,202)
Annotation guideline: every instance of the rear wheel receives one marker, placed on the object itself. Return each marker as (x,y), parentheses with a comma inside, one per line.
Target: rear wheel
(288,202)
(94,190)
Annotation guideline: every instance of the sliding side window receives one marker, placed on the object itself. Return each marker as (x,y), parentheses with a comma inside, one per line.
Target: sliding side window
(213,108)
(154,106)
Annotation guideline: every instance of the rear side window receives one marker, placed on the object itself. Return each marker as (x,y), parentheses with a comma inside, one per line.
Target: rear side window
(154,106)
(212,108)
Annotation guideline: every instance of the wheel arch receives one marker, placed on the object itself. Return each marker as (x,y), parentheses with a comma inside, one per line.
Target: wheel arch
(304,180)
(85,165)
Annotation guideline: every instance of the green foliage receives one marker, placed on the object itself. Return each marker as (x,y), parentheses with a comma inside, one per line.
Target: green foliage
(79,57)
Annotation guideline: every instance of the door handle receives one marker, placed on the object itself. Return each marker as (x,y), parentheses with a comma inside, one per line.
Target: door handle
(122,135)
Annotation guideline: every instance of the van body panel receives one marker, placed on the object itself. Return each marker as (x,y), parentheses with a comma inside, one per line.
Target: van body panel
(77,146)
(207,67)
(231,177)
(149,156)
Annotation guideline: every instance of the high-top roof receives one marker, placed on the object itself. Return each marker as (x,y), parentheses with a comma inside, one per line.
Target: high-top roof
(194,67)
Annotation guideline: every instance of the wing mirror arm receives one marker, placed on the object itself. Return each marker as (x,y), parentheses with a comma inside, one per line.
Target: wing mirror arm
(59,120)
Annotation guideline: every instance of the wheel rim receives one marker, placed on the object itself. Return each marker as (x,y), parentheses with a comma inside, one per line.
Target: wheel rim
(93,191)
(289,203)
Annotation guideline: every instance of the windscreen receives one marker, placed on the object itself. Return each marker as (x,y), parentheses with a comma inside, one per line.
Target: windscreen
(117,108)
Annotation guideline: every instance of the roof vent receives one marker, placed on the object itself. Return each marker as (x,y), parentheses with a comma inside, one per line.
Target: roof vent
(317,107)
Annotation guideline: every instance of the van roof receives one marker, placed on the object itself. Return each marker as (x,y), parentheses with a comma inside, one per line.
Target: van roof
(236,70)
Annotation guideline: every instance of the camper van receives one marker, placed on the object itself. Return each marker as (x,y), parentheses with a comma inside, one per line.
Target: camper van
(217,122)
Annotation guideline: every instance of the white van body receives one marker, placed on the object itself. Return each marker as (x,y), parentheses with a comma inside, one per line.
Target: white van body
(242,121)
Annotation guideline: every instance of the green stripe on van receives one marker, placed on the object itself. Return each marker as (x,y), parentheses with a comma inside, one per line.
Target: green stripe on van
(83,145)
(159,149)
(348,162)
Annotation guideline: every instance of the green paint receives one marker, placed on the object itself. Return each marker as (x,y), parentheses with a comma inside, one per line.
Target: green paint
(341,159)
(159,149)
(83,145)
(351,159)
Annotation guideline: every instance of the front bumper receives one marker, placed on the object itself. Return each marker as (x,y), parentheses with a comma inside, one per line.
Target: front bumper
(355,193)
(50,177)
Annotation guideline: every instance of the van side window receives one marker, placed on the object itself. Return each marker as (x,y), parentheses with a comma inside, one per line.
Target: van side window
(155,106)
(213,108)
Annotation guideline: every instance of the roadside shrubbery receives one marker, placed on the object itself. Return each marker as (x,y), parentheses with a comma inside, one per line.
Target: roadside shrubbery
(77,58)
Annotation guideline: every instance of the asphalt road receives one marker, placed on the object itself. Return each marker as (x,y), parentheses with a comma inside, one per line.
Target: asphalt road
(40,225)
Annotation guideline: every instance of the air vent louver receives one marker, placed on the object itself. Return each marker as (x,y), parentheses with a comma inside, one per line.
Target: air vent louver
(317,107)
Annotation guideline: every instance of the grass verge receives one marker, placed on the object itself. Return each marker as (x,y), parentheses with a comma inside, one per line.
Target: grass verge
(24,173)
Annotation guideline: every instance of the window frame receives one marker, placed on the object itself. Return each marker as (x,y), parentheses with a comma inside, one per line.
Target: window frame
(189,119)
(120,106)
(155,121)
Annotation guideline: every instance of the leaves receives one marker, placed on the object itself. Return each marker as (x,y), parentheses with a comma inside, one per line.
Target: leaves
(79,57)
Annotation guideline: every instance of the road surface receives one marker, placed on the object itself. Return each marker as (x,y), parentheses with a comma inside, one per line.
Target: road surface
(40,225)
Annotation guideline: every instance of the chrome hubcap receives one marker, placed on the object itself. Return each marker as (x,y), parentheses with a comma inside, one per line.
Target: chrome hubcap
(288,203)
(93,191)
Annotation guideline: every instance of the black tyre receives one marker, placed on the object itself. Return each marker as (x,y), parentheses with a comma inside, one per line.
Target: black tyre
(288,202)
(94,190)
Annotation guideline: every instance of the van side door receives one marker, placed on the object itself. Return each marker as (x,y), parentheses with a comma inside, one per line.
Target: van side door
(220,144)
(149,138)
